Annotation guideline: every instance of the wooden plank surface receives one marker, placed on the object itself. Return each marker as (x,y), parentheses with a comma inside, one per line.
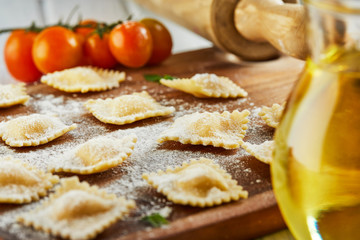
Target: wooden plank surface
(266,82)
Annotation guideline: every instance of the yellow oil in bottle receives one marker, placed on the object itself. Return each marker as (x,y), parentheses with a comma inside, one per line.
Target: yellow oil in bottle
(316,170)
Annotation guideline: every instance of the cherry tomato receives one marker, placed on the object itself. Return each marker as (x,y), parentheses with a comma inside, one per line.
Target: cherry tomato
(56,48)
(18,56)
(131,44)
(162,42)
(83,33)
(86,31)
(97,51)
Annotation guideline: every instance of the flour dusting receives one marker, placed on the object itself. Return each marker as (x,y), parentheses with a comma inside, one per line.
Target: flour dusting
(148,155)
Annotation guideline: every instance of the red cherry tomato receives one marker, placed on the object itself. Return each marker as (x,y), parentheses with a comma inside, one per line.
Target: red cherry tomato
(86,31)
(18,56)
(83,33)
(162,42)
(131,44)
(56,48)
(97,51)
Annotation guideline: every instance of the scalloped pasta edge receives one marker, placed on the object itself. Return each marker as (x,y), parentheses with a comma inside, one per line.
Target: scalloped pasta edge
(47,79)
(22,99)
(100,167)
(74,183)
(40,141)
(161,111)
(201,92)
(47,178)
(208,141)
(236,193)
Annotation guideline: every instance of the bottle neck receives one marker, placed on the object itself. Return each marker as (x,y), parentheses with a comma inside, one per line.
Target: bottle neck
(333,30)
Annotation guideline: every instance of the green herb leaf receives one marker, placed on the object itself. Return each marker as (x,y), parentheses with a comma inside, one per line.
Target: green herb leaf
(156,78)
(155,220)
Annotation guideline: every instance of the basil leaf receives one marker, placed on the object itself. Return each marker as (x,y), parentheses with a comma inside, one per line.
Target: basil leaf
(155,220)
(156,78)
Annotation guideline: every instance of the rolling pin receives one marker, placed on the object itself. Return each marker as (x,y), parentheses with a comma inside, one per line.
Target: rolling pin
(250,29)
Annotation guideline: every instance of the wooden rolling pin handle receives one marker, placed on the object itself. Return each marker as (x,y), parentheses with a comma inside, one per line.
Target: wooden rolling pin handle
(247,28)
(273,21)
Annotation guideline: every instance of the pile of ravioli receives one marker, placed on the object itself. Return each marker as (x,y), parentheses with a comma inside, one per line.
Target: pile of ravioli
(198,183)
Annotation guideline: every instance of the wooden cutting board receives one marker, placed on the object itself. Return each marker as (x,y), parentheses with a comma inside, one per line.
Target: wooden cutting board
(266,82)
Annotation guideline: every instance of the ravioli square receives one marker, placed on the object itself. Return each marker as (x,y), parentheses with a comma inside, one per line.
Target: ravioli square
(272,115)
(224,130)
(127,108)
(77,211)
(32,130)
(207,85)
(262,152)
(84,79)
(96,155)
(12,94)
(22,183)
(200,183)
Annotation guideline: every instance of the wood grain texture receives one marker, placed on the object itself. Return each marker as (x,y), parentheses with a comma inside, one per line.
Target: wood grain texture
(266,82)
(280,24)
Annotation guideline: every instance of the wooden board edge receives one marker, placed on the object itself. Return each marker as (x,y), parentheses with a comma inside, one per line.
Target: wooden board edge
(234,221)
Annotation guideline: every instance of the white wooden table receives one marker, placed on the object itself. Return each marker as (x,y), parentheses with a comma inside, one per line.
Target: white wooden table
(20,13)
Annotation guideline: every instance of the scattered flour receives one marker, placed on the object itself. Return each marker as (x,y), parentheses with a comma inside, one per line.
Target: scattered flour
(148,155)
(53,105)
